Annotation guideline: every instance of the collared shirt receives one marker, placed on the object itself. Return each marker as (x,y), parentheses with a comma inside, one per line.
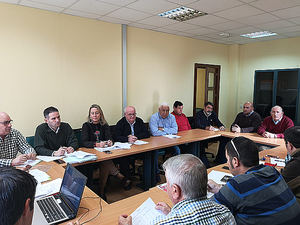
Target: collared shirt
(182,122)
(196,211)
(55,131)
(169,124)
(276,122)
(10,145)
(250,113)
(131,127)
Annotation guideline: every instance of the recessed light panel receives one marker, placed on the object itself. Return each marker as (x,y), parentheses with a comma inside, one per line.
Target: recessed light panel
(259,34)
(182,14)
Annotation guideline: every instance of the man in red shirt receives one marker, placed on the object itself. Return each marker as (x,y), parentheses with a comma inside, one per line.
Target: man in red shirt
(181,120)
(274,126)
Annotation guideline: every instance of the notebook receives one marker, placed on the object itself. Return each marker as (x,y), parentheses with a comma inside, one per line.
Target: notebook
(63,205)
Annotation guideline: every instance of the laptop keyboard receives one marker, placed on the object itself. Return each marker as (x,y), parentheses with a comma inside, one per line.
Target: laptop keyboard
(50,209)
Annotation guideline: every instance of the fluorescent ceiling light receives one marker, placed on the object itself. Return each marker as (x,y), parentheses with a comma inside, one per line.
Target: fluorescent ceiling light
(259,34)
(182,14)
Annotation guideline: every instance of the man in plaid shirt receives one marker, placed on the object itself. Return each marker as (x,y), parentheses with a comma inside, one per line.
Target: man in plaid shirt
(12,142)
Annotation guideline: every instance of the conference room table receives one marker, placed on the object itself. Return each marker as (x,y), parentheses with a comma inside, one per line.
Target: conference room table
(190,136)
(111,212)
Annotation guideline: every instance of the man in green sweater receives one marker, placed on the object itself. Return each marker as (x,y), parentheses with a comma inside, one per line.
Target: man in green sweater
(54,138)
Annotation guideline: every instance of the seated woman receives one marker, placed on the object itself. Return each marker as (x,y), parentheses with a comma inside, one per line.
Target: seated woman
(96,133)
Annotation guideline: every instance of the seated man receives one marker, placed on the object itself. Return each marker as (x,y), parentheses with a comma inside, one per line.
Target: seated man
(162,123)
(206,119)
(274,126)
(129,129)
(291,171)
(257,194)
(187,188)
(12,142)
(247,121)
(54,138)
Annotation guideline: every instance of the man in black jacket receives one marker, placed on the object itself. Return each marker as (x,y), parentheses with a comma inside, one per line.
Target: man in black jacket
(130,128)
(207,119)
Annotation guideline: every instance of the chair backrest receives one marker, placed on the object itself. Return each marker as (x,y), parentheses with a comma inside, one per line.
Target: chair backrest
(77,133)
(30,140)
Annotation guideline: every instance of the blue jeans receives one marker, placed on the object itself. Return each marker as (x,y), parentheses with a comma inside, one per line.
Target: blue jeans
(176,151)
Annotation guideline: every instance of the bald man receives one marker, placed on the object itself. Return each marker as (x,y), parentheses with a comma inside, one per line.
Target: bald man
(130,128)
(247,121)
(12,142)
(274,126)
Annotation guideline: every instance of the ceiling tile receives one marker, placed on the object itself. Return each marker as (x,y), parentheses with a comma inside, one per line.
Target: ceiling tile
(152,6)
(228,26)
(10,1)
(92,6)
(118,2)
(207,20)
(182,2)
(258,19)
(142,26)
(157,21)
(239,12)
(81,14)
(60,3)
(295,20)
(247,1)
(284,30)
(41,6)
(275,24)
(288,13)
(128,14)
(244,30)
(272,5)
(293,34)
(200,31)
(180,26)
(212,6)
(113,20)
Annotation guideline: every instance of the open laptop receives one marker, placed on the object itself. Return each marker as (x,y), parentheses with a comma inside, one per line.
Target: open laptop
(63,205)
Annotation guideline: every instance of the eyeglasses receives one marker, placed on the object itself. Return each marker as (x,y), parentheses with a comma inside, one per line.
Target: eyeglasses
(131,114)
(6,123)
(232,143)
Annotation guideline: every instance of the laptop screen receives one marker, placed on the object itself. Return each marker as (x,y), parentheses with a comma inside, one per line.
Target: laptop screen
(72,187)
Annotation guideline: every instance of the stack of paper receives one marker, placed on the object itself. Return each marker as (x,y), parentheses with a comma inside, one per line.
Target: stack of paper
(117,145)
(30,162)
(79,157)
(145,213)
(48,158)
(140,142)
(171,136)
(39,175)
(48,188)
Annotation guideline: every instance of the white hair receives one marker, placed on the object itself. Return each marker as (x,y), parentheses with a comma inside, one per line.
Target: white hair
(163,104)
(189,173)
(277,106)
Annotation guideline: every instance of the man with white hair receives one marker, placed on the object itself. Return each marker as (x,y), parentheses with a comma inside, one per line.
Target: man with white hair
(163,123)
(274,126)
(187,188)
(12,142)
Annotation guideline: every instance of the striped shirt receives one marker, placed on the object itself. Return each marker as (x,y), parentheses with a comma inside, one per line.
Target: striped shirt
(196,211)
(260,196)
(13,143)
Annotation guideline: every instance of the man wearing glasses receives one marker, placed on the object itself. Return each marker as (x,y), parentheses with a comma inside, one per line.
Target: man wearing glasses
(12,142)
(257,194)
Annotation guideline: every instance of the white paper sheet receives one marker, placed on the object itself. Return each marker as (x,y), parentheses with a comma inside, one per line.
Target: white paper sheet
(117,145)
(79,154)
(30,162)
(145,213)
(279,162)
(216,176)
(171,136)
(48,158)
(48,188)
(140,142)
(39,175)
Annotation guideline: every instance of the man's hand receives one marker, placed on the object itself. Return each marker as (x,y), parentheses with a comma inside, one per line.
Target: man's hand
(161,129)
(100,144)
(222,128)
(236,128)
(70,149)
(132,139)
(74,223)
(210,128)
(31,156)
(213,186)
(125,220)
(268,135)
(164,207)
(19,160)
(61,151)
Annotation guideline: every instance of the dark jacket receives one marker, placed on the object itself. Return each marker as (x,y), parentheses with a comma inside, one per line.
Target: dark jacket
(88,136)
(247,124)
(203,121)
(122,130)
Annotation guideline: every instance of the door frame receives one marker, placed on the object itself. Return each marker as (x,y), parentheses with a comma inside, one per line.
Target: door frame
(216,84)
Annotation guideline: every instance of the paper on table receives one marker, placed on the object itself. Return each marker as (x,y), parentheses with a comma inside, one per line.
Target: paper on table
(117,145)
(279,162)
(140,142)
(171,136)
(48,188)
(216,176)
(48,158)
(216,129)
(30,162)
(145,213)
(39,175)
(79,154)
